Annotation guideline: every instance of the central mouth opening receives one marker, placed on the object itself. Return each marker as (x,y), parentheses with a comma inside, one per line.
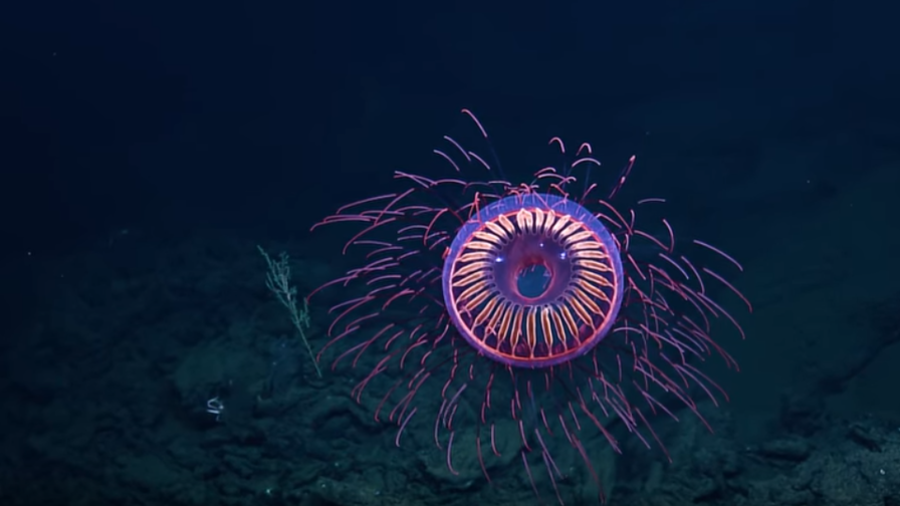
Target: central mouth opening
(533,279)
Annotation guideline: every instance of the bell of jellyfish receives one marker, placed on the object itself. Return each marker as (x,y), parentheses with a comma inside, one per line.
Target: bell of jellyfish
(524,327)
(533,280)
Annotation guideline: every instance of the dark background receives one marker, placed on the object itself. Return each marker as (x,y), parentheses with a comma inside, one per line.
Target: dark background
(160,114)
(147,147)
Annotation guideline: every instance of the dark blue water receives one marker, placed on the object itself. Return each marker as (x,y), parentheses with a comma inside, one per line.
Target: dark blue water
(147,149)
